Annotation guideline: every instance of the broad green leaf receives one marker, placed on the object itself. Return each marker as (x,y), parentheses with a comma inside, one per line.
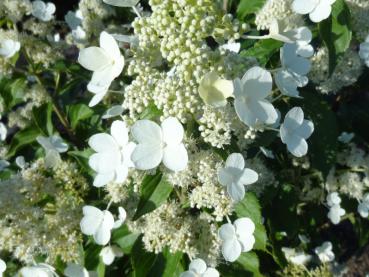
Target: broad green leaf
(336,32)
(250,262)
(22,139)
(42,116)
(124,238)
(248,7)
(12,91)
(82,158)
(250,207)
(78,112)
(142,261)
(92,256)
(154,191)
(167,264)
(151,112)
(263,50)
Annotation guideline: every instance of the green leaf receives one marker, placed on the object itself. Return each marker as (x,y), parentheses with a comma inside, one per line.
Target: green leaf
(250,207)
(124,238)
(167,264)
(336,32)
(12,91)
(22,139)
(263,50)
(142,261)
(248,7)
(250,262)
(82,158)
(79,112)
(155,191)
(151,112)
(42,116)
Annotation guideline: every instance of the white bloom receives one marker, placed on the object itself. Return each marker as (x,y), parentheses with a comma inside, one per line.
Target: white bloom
(325,252)
(250,93)
(345,137)
(21,162)
(122,3)
(234,47)
(42,11)
(97,223)
(335,213)
(296,257)
(75,270)
(295,130)
(237,238)
(333,199)
(9,47)
(105,61)
(2,267)
(53,146)
(112,160)
(113,112)
(301,34)
(159,143)
(364,51)
(294,68)
(39,270)
(198,268)
(79,34)
(363,207)
(74,19)
(318,10)
(121,217)
(214,90)
(109,253)
(234,176)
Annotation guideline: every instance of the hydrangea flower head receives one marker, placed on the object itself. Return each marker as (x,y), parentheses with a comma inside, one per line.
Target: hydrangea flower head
(318,10)
(237,238)
(198,268)
(43,11)
(105,61)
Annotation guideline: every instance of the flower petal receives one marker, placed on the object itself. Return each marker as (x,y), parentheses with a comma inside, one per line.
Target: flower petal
(227,232)
(306,129)
(119,132)
(264,111)
(236,191)
(198,266)
(294,119)
(248,177)
(304,6)
(110,45)
(257,83)
(231,250)
(211,272)
(244,226)
(175,157)
(147,156)
(94,58)
(103,179)
(321,12)
(235,160)
(146,131)
(102,142)
(172,131)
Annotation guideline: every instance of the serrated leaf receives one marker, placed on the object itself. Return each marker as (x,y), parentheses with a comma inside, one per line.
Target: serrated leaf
(248,7)
(336,32)
(155,191)
(263,50)
(78,112)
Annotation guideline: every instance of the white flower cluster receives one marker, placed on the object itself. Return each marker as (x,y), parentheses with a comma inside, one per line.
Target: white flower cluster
(335,211)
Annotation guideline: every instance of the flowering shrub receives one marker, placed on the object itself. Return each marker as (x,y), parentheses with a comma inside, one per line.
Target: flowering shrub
(183,138)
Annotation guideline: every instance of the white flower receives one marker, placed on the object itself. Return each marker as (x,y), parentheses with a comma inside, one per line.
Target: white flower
(294,68)
(53,146)
(21,162)
(112,160)
(109,253)
(198,268)
(296,257)
(363,207)
(74,19)
(333,199)
(214,90)
(3,131)
(364,51)
(121,217)
(105,61)
(335,213)
(237,238)
(301,34)
(122,3)
(234,176)
(79,34)
(8,48)
(234,47)
(75,270)
(250,93)
(2,267)
(42,11)
(318,10)
(97,223)
(345,137)
(295,130)
(159,143)
(39,270)
(113,112)
(324,252)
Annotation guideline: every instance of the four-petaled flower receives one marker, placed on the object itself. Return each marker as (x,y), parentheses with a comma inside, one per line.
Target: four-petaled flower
(53,146)
(277,32)
(43,11)
(234,176)
(159,143)
(106,62)
(198,268)
(109,253)
(250,93)
(214,90)
(8,48)
(295,130)
(97,223)
(325,252)
(318,10)
(236,238)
